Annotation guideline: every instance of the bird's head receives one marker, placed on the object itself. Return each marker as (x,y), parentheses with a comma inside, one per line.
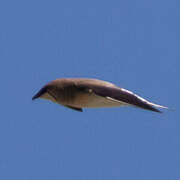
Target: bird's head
(45,92)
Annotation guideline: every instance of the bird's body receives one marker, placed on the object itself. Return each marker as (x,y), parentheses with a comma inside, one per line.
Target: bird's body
(78,93)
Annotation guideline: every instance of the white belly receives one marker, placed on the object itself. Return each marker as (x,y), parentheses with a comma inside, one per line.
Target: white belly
(94,101)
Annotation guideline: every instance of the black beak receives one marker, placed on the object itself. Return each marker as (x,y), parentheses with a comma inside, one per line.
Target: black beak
(40,93)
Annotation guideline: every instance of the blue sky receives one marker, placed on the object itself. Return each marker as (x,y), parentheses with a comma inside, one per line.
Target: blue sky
(134,44)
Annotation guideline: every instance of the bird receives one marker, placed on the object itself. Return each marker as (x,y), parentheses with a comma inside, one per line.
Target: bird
(79,93)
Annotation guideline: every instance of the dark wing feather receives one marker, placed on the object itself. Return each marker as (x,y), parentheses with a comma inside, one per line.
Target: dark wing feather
(118,94)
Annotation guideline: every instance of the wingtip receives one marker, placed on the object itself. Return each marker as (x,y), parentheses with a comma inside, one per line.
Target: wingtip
(158,106)
(154,109)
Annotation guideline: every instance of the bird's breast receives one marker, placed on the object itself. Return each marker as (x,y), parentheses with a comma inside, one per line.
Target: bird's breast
(91,100)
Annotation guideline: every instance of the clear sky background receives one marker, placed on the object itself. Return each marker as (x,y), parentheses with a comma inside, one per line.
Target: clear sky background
(134,44)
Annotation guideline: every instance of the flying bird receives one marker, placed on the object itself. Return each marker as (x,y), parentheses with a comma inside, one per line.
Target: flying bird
(79,93)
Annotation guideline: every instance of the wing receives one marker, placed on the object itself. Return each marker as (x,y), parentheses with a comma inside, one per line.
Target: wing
(115,93)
